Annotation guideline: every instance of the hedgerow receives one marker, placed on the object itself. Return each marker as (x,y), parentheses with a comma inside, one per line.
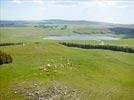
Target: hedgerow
(105,47)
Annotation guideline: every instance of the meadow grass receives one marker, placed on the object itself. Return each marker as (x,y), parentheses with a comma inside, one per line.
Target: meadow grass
(28,34)
(97,74)
(120,42)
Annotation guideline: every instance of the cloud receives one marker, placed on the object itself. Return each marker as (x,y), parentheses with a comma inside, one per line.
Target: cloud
(106,2)
(39,2)
(100,3)
(65,3)
(16,1)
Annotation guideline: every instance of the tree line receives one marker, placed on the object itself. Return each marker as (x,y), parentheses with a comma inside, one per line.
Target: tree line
(105,47)
(8,44)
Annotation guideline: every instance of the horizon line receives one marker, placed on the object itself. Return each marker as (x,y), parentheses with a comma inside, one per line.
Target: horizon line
(66,20)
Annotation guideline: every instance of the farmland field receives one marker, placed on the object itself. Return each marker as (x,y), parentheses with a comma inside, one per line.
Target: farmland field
(89,73)
(66,49)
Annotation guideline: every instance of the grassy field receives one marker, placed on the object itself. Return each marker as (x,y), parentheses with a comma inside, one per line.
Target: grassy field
(28,34)
(94,74)
(121,42)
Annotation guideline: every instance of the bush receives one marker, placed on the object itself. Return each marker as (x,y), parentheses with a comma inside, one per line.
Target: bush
(5,58)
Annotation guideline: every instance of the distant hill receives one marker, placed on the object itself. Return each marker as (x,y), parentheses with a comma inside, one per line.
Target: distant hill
(6,23)
(89,26)
(126,31)
(56,21)
(52,22)
(17,23)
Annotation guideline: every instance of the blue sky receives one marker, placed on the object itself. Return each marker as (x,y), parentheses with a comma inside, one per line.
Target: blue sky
(113,11)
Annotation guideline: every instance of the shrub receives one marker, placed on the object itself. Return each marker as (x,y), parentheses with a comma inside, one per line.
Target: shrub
(5,58)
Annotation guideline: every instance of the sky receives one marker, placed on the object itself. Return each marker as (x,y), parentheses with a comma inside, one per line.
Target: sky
(112,11)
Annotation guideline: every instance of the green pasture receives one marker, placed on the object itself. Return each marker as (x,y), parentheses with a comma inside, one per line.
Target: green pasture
(96,74)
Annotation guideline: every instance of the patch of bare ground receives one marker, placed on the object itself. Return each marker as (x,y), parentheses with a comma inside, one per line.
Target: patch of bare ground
(52,92)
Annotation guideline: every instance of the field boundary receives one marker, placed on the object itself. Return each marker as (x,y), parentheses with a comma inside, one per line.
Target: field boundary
(105,47)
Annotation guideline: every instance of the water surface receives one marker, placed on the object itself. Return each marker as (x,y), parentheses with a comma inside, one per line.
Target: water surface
(80,37)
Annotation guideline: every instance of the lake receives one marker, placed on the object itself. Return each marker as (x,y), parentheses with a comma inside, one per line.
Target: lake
(81,37)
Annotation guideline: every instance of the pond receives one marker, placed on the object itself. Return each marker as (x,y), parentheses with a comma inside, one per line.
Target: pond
(81,37)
